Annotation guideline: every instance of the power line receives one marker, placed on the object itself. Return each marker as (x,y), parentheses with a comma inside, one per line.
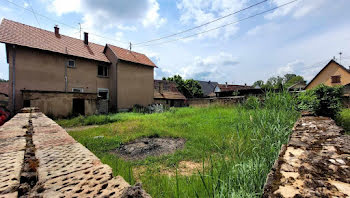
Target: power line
(56,21)
(204,24)
(260,13)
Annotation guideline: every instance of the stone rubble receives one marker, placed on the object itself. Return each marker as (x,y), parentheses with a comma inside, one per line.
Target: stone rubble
(314,163)
(65,169)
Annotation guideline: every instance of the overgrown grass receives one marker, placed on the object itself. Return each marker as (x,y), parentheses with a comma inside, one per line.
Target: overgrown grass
(236,145)
(343,120)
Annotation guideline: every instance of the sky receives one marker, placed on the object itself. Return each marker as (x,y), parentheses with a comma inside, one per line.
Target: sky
(300,37)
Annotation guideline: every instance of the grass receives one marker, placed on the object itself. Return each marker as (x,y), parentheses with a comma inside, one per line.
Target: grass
(343,119)
(236,146)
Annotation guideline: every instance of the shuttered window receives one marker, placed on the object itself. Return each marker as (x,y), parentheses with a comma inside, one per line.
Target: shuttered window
(335,79)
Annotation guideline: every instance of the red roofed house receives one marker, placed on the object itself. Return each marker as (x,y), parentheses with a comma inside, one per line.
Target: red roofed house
(225,90)
(63,75)
(166,93)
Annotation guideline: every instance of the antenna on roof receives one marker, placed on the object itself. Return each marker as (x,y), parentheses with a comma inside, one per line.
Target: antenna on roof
(130,45)
(340,53)
(79,31)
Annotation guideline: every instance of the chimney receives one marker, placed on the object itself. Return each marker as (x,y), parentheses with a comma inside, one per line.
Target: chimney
(57,30)
(86,38)
(209,82)
(161,87)
(226,84)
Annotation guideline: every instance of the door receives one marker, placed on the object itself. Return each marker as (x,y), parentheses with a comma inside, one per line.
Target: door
(78,107)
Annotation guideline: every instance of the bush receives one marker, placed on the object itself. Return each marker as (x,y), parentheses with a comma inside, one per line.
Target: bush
(307,101)
(322,100)
(252,102)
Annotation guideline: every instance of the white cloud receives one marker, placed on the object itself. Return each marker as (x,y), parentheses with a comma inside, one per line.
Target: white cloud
(296,9)
(218,67)
(119,35)
(127,28)
(198,12)
(290,67)
(111,13)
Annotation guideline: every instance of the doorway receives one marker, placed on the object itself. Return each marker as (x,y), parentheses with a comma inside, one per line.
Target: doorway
(78,107)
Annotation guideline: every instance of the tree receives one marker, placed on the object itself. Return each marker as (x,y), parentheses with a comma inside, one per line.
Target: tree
(294,80)
(189,88)
(259,83)
(3,80)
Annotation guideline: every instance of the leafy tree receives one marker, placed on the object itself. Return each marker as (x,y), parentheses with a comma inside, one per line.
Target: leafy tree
(278,82)
(189,88)
(3,80)
(259,83)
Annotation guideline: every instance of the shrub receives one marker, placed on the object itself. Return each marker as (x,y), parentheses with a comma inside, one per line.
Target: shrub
(252,102)
(322,100)
(308,101)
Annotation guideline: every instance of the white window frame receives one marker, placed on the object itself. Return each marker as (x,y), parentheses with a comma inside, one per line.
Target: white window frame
(103,89)
(69,65)
(81,90)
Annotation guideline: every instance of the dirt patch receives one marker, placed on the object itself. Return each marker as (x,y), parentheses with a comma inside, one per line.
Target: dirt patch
(152,146)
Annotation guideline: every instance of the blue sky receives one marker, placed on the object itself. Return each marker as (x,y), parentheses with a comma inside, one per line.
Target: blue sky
(298,38)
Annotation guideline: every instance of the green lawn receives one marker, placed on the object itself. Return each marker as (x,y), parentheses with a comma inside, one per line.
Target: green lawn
(235,146)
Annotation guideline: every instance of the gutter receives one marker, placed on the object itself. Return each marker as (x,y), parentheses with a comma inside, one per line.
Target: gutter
(14,79)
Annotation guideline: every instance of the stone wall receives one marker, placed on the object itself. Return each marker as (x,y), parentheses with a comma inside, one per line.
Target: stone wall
(40,159)
(314,163)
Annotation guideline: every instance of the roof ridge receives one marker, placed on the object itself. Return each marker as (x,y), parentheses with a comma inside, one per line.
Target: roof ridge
(48,31)
(126,49)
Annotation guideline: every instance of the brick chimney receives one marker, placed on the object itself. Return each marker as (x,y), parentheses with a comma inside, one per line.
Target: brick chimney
(86,38)
(57,30)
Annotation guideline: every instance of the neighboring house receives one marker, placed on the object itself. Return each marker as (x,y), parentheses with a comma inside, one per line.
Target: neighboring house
(226,90)
(208,88)
(297,87)
(166,93)
(63,75)
(332,74)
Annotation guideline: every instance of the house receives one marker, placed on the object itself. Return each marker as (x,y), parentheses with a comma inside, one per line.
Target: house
(226,90)
(332,74)
(208,88)
(166,93)
(63,75)
(297,87)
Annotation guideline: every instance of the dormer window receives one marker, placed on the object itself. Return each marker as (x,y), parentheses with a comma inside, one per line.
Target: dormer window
(71,63)
(335,79)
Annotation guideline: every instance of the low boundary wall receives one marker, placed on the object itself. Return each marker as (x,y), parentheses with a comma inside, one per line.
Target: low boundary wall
(40,159)
(314,163)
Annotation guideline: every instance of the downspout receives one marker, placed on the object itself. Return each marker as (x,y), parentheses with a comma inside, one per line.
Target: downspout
(14,78)
(65,74)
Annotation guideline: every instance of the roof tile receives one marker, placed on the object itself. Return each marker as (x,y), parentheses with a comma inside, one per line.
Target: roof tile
(131,56)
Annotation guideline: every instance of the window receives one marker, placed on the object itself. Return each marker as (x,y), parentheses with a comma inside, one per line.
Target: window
(102,71)
(103,93)
(335,79)
(71,63)
(78,90)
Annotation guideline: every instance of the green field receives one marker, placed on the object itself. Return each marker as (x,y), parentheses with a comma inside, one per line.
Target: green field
(234,147)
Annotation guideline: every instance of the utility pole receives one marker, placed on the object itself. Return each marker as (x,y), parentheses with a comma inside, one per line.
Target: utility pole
(130,45)
(340,53)
(79,31)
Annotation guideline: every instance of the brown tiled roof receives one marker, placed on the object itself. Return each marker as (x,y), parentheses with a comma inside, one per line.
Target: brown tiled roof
(224,87)
(169,90)
(4,87)
(24,35)
(131,56)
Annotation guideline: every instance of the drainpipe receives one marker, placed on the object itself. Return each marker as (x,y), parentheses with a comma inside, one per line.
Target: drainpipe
(65,74)
(14,78)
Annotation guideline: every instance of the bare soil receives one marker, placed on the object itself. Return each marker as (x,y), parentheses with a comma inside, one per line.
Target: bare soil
(151,146)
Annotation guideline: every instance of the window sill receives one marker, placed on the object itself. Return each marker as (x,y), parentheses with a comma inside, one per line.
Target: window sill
(102,76)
